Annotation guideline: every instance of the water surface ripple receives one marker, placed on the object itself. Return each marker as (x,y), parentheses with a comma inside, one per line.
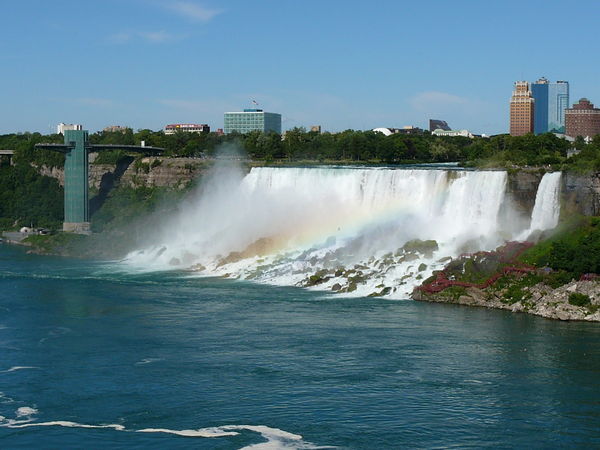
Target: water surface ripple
(94,358)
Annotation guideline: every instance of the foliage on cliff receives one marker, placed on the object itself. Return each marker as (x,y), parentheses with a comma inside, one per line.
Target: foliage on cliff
(25,152)
(588,158)
(574,249)
(27,198)
(127,208)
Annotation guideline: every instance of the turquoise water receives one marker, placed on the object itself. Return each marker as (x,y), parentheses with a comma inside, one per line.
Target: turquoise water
(81,344)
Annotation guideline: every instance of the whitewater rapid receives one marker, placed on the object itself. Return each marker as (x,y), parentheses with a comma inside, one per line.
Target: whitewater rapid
(354,231)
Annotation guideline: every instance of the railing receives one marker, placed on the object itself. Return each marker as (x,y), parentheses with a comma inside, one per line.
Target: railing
(510,252)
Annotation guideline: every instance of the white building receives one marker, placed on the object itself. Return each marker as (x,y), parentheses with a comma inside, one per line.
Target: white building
(61,127)
(187,127)
(452,133)
(384,131)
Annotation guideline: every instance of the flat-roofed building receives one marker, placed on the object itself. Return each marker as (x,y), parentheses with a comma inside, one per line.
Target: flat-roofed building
(453,133)
(187,128)
(252,120)
(582,119)
(62,127)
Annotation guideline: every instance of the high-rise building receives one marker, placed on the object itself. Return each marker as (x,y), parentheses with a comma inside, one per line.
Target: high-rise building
(252,120)
(62,127)
(582,119)
(551,101)
(187,128)
(315,129)
(521,109)
(435,124)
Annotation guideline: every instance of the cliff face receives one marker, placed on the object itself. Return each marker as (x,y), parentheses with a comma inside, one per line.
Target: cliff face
(154,171)
(522,188)
(147,172)
(581,193)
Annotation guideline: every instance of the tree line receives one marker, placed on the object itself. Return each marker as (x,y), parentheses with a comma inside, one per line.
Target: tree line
(349,146)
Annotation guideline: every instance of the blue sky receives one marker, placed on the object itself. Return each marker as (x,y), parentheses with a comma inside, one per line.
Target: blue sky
(341,64)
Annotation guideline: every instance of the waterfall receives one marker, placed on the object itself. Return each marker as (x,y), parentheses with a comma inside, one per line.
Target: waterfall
(326,226)
(547,203)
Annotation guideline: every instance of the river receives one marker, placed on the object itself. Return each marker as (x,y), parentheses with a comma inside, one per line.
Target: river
(92,357)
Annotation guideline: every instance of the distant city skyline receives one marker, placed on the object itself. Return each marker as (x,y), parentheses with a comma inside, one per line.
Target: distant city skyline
(342,64)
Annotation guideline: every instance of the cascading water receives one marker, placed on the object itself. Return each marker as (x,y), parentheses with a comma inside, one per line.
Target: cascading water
(546,210)
(354,231)
(547,203)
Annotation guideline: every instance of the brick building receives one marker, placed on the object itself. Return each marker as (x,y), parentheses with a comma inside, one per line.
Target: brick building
(582,119)
(521,109)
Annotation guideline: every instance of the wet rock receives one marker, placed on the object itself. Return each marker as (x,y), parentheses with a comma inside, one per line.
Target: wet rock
(384,291)
(336,287)
(319,277)
(409,257)
(422,267)
(424,247)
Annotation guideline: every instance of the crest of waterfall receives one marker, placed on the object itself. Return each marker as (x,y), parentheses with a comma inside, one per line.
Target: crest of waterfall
(382,229)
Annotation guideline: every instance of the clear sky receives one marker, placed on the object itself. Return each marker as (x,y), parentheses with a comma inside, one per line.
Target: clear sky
(339,63)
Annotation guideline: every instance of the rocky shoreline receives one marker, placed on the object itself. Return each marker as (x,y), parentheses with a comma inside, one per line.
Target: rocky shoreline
(540,300)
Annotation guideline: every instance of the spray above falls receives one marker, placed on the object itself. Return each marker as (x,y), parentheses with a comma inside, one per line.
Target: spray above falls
(356,231)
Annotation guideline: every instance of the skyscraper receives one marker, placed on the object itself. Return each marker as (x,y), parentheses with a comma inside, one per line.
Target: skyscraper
(551,101)
(521,109)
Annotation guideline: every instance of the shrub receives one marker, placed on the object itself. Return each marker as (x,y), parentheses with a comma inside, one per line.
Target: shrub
(111,157)
(577,299)
(558,279)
